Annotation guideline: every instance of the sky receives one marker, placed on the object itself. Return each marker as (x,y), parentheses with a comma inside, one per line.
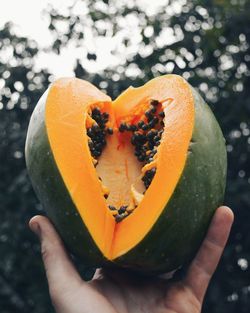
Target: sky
(27,15)
(30,21)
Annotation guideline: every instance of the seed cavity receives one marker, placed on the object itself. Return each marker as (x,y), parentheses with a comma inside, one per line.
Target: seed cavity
(145,136)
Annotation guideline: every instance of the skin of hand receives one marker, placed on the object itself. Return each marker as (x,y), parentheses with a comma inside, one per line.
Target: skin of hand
(118,292)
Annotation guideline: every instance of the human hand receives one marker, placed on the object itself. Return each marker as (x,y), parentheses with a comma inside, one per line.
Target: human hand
(117,291)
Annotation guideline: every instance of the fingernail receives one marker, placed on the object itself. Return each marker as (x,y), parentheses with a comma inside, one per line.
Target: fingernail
(35,227)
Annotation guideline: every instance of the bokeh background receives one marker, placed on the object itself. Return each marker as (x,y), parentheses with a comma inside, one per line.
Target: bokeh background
(115,44)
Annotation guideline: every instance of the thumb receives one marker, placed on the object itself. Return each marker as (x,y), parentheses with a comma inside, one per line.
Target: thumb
(60,271)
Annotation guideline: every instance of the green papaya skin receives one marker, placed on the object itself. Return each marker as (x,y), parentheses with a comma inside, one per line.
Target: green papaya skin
(176,236)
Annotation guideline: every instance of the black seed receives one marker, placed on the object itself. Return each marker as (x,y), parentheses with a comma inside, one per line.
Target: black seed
(102,126)
(91,144)
(97,153)
(106,196)
(150,160)
(151,145)
(112,208)
(144,148)
(119,218)
(133,140)
(95,128)
(110,131)
(151,134)
(105,115)
(138,149)
(161,114)
(152,109)
(96,112)
(154,102)
(89,132)
(141,157)
(155,119)
(153,170)
(157,138)
(122,127)
(133,128)
(98,136)
(153,152)
(139,146)
(153,122)
(122,209)
(136,135)
(145,127)
(140,124)
(98,146)
(149,115)
(140,138)
(147,178)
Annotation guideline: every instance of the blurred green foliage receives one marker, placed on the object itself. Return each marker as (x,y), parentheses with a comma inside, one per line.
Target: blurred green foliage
(207,42)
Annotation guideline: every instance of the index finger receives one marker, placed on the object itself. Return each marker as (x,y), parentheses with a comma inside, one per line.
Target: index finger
(207,258)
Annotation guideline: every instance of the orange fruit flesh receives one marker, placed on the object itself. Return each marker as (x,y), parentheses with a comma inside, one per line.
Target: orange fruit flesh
(67,106)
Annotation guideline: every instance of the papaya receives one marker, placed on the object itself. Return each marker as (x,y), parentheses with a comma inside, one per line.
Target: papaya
(132,182)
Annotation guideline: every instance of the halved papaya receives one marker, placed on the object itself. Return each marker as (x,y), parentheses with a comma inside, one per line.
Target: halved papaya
(132,182)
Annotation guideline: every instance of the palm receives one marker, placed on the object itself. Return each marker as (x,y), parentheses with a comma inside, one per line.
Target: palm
(120,292)
(133,295)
